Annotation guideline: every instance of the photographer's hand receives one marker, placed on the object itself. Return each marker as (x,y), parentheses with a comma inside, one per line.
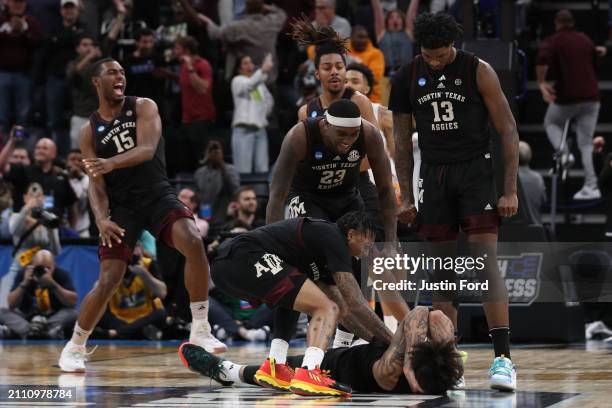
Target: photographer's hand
(46,280)
(28,277)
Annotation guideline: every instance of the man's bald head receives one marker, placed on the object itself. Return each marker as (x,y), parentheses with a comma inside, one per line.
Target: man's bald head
(564,19)
(44,258)
(45,151)
(524,153)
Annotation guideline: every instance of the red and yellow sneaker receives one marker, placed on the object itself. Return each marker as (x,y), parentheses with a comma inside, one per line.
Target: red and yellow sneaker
(317,383)
(272,375)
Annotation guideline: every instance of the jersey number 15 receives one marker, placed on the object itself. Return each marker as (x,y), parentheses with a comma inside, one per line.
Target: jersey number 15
(123,141)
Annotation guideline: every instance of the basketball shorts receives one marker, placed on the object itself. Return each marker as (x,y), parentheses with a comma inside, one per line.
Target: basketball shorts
(457,195)
(246,271)
(324,208)
(155,215)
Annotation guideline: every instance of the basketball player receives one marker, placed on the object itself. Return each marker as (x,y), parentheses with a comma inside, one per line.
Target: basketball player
(129,191)
(451,94)
(303,264)
(420,359)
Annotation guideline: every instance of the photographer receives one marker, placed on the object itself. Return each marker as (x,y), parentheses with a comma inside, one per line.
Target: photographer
(42,301)
(79,181)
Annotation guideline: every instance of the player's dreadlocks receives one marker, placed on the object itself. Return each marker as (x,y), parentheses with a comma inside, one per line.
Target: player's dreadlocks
(326,40)
(438,30)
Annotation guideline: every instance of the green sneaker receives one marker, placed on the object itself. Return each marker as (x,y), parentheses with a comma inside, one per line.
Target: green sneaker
(202,362)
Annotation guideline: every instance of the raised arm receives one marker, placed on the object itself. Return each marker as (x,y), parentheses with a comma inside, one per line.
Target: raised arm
(415,330)
(148,133)
(379,19)
(98,198)
(504,123)
(292,152)
(379,161)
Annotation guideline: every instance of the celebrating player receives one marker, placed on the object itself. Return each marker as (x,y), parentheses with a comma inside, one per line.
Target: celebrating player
(129,191)
(451,95)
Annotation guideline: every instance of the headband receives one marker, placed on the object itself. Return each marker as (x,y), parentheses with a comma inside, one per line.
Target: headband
(342,122)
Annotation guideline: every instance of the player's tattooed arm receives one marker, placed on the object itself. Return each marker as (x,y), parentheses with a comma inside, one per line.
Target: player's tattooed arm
(415,325)
(359,309)
(504,123)
(292,152)
(390,366)
(404,164)
(346,318)
(379,161)
(98,198)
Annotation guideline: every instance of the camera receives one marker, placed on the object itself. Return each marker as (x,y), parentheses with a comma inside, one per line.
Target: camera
(20,133)
(39,271)
(46,218)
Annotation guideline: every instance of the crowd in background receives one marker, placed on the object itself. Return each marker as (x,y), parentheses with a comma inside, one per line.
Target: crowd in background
(228,80)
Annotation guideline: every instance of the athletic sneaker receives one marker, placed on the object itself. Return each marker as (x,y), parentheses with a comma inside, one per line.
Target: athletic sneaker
(317,383)
(502,374)
(272,375)
(588,193)
(596,330)
(461,384)
(202,362)
(73,357)
(201,336)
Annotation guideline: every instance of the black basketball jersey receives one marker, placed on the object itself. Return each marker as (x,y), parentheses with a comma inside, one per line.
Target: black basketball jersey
(324,171)
(450,114)
(314,109)
(128,184)
(315,247)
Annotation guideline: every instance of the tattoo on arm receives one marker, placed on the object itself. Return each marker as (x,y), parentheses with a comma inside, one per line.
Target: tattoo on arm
(404,161)
(415,328)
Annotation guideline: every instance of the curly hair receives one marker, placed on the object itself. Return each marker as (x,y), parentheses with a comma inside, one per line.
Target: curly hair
(438,30)
(358,220)
(365,71)
(437,366)
(325,39)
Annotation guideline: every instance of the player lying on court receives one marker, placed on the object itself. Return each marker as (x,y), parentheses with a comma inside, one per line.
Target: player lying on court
(422,352)
(303,264)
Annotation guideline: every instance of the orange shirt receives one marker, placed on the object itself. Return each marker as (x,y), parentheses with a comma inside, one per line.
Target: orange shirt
(374,59)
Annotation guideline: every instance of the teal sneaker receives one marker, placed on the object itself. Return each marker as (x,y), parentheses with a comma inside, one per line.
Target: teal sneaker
(202,362)
(502,374)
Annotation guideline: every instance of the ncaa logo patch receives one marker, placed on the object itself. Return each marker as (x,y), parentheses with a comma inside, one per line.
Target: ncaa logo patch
(314,114)
(101,128)
(353,156)
(422,81)
(128,113)
(318,155)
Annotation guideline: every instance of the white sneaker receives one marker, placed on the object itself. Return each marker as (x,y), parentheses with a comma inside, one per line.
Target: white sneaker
(502,374)
(201,335)
(460,385)
(587,193)
(73,357)
(591,330)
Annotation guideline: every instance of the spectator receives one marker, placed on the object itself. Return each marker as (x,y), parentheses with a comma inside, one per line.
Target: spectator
(243,211)
(325,15)
(118,33)
(196,81)
(20,36)
(571,54)
(6,209)
(533,185)
(142,68)
(238,319)
(58,52)
(394,37)
(216,182)
(252,104)
(362,50)
(254,35)
(136,310)
(79,181)
(20,156)
(58,194)
(42,301)
(605,182)
(190,199)
(84,97)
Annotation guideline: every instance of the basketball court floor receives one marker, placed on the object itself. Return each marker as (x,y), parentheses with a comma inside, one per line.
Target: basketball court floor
(150,374)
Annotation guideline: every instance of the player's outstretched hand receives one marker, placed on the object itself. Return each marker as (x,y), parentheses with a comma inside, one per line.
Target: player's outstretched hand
(98,166)
(507,205)
(109,232)
(412,381)
(407,213)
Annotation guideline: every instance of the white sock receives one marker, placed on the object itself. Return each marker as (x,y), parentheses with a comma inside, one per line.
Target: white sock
(391,323)
(312,358)
(278,351)
(80,335)
(342,339)
(199,310)
(231,371)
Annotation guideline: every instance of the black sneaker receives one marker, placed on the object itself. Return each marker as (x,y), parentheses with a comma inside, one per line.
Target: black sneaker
(202,362)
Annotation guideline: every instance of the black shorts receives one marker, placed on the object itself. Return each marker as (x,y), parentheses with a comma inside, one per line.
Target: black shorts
(156,215)
(246,271)
(457,195)
(324,208)
(353,366)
